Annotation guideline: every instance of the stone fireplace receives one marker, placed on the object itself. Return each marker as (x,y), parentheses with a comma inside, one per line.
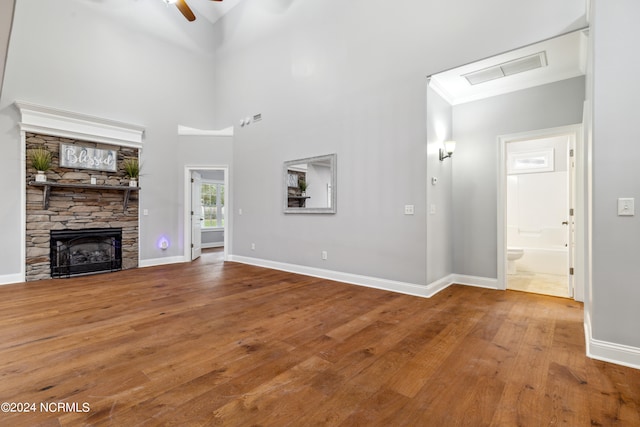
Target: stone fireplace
(83,199)
(86,192)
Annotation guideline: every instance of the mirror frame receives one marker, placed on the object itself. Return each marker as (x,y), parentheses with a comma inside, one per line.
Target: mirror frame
(333,165)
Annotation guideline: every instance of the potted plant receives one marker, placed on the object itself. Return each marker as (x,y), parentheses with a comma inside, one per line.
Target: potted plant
(302,185)
(41,162)
(132,170)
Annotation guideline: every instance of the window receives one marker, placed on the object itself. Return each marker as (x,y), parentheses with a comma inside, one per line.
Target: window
(212,197)
(530,161)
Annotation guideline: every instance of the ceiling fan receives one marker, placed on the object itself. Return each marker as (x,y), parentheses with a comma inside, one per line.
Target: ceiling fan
(184,8)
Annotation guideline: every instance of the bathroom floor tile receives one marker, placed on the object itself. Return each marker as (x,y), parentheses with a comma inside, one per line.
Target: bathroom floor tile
(547,284)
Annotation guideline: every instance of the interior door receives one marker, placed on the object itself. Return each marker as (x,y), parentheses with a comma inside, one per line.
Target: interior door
(571,238)
(196,215)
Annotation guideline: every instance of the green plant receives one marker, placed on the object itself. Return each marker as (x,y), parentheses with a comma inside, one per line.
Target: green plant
(40,159)
(131,168)
(302,185)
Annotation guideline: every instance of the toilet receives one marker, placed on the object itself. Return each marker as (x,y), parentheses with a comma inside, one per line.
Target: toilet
(512,255)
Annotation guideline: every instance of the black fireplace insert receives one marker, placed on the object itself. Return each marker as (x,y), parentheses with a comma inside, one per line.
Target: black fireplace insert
(88,251)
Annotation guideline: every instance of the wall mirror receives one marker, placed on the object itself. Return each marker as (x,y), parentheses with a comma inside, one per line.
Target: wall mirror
(310,185)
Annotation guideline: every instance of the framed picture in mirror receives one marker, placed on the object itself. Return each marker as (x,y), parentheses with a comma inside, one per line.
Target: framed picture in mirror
(310,185)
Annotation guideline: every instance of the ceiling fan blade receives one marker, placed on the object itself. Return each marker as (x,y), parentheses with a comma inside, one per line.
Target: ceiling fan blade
(185,10)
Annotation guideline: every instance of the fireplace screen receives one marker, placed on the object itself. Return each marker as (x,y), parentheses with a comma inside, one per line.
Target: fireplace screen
(77,252)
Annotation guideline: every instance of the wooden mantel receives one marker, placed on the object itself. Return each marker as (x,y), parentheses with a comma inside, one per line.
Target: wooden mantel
(48,185)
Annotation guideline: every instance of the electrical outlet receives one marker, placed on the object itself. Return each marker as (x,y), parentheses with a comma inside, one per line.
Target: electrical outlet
(408,209)
(324,255)
(626,207)
(253,246)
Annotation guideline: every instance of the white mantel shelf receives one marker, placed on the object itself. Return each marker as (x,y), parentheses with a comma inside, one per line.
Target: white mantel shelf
(67,124)
(47,185)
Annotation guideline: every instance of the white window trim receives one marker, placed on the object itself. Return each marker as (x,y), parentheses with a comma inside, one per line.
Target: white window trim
(213,181)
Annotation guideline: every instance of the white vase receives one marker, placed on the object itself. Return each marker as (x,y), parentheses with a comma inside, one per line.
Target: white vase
(41,177)
(133,183)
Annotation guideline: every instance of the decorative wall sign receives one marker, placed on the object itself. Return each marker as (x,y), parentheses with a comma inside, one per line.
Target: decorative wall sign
(81,157)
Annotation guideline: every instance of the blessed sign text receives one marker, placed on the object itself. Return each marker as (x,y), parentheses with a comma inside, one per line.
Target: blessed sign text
(78,156)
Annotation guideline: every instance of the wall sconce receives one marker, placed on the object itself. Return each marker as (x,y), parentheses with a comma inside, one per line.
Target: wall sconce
(449,148)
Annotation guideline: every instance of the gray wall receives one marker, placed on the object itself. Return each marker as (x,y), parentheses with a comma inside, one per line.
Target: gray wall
(349,78)
(6,16)
(440,195)
(615,292)
(78,56)
(476,127)
(321,87)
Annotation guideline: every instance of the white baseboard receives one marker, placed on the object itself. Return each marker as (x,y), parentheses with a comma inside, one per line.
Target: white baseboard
(7,279)
(212,245)
(161,261)
(609,352)
(479,282)
(439,285)
(354,279)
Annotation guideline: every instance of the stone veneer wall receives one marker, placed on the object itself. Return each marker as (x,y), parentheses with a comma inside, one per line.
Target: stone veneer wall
(76,208)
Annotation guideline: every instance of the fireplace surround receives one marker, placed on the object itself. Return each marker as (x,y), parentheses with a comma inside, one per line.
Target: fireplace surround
(79,252)
(74,203)
(77,196)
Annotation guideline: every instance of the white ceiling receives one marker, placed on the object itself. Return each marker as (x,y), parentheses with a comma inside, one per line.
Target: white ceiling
(565,56)
(211,10)
(165,21)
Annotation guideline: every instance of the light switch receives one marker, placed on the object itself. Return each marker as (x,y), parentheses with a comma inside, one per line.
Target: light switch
(626,207)
(432,209)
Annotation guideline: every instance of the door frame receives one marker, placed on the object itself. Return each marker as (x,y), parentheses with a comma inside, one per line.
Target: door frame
(187,207)
(580,208)
(196,248)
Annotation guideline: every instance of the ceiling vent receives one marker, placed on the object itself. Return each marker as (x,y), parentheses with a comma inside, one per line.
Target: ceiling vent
(509,68)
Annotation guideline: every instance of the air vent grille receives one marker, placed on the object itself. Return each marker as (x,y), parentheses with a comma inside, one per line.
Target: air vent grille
(510,68)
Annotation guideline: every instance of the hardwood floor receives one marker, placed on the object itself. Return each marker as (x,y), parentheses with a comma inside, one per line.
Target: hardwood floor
(212,343)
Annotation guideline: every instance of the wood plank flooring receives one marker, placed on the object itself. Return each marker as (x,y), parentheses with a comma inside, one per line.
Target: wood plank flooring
(212,343)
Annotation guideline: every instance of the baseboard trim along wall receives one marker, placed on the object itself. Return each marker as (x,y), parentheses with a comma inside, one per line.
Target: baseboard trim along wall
(353,279)
(8,279)
(609,352)
(477,281)
(212,245)
(162,261)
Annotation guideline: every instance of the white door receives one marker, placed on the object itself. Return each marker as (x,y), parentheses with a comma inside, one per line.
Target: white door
(196,215)
(571,218)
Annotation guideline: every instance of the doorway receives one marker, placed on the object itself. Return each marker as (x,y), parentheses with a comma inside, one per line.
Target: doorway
(537,211)
(206,223)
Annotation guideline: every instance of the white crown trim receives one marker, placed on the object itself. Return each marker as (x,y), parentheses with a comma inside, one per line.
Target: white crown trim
(67,124)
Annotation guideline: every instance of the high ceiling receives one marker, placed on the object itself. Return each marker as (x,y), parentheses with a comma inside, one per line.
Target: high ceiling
(564,54)
(210,10)
(152,16)
(164,21)
(565,58)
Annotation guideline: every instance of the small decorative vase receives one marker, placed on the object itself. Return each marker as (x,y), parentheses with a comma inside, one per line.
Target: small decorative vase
(133,183)
(41,177)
